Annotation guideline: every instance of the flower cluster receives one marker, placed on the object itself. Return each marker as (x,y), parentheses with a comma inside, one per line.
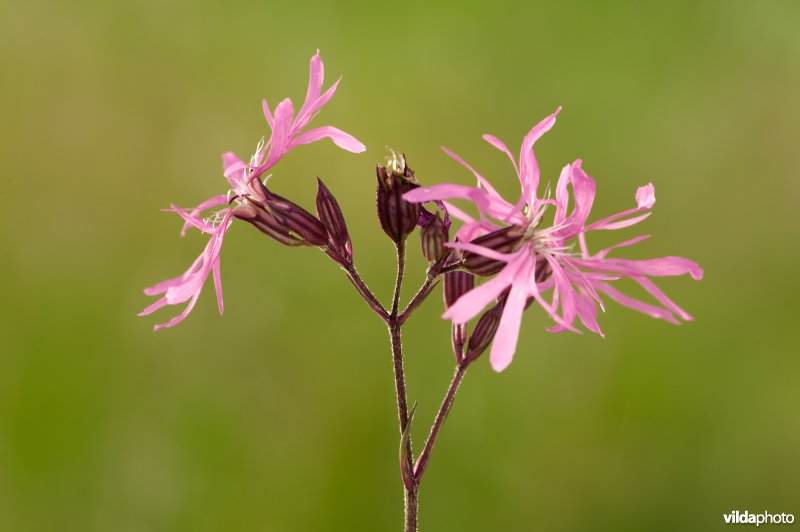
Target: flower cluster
(529,258)
(533,250)
(252,201)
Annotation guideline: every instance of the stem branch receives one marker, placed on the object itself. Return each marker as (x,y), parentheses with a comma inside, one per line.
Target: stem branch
(365,293)
(423,292)
(444,409)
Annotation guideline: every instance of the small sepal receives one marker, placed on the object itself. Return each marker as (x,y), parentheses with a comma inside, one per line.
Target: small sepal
(406,461)
(484,332)
(266,223)
(456,284)
(298,221)
(506,240)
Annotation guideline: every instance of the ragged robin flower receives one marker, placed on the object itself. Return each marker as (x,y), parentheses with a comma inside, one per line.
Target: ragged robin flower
(533,257)
(287,132)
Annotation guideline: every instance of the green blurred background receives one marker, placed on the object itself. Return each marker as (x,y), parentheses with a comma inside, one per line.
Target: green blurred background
(280,415)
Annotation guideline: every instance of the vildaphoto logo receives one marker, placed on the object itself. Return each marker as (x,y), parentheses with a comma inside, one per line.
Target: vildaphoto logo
(746,518)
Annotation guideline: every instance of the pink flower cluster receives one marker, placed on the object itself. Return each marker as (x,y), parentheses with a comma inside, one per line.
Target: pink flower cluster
(545,258)
(287,134)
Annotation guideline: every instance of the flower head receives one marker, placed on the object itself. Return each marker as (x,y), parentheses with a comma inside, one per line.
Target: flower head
(287,132)
(531,258)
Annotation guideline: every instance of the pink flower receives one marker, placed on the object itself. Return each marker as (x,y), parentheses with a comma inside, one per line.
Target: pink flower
(287,133)
(543,258)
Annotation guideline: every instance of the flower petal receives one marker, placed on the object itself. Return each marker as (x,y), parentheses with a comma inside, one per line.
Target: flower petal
(656,292)
(645,199)
(583,191)
(497,143)
(216,201)
(457,213)
(316,77)
(536,290)
(562,194)
(470,304)
(438,192)
(661,267)
(193,221)
(635,304)
(625,243)
(279,140)
(528,167)
(154,307)
(218,286)
(163,286)
(603,225)
(646,196)
(583,188)
(309,112)
(481,180)
(587,312)
(182,316)
(505,340)
(339,137)
(267,113)
(483,251)
(565,289)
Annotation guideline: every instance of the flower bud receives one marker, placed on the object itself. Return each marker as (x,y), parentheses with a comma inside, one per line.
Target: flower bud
(266,223)
(397,216)
(456,284)
(298,221)
(504,240)
(484,332)
(331,216)
(433,236)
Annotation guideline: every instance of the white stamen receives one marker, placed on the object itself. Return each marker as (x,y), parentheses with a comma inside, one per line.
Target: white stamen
(254,160)
(395,163)
(215,219)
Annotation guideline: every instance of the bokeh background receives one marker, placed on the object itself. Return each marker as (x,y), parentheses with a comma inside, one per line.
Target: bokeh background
(280,415)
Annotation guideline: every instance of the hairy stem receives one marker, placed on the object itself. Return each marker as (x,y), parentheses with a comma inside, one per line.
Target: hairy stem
(365,293)
(453,266)
(410,489)
(401,268)
(423,292)
(441,415)
(394,320)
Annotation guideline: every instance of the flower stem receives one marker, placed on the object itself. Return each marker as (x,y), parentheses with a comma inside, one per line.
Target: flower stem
(423,292)
(394,320)
(410,490)
(365,293)
(441,415)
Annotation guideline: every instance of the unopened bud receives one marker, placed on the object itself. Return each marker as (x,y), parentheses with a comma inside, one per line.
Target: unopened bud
(266,223)
(331,216)
(298,221)
(484,332)
(504,240)
(397,216)
(456,284)
(433,236)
